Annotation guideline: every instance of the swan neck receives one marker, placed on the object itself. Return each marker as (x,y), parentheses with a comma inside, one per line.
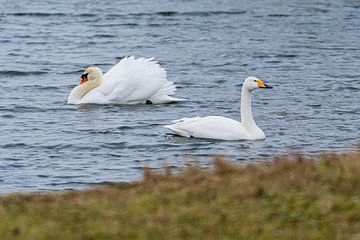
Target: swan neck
(81,90)
(246,114)
(88,86)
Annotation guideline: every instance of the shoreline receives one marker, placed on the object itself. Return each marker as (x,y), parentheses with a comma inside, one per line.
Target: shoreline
(264,160)
(301,198)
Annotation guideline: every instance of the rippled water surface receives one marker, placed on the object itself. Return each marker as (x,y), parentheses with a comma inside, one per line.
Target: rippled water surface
(308,50)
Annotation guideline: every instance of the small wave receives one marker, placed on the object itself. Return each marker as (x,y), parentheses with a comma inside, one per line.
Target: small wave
(353,88)
(36,14)
(314,105)
(41,87)
(57,146)
(261,56)
(349,76)
(317,10)
(176,13)
(107,131)
(22,109)
(124,128)
(22,36)
(48,87)
(191,13)
(104,183)
(115,24)
(345,112)
(17,54)
(104,36)
(71,72)
(102,131)
(16,165)
(149,146)
(86,15)
(107,183)
(273,61)
(114,155)
(14,145)
(200,13)
(7,116)
(154,25)
(278,15)
(342,88)
(114,145)
(68,183)
(20,73)
(43,176)
(286,55)
(36,43)
(146,125)
(167,13)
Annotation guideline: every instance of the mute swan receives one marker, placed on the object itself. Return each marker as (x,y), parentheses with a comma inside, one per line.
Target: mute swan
(131,81)
(217,127)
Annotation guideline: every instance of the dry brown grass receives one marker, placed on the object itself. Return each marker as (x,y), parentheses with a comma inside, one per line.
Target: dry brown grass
(301,198)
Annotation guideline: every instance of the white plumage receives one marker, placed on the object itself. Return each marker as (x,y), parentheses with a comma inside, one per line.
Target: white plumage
(131,81)
(222,128)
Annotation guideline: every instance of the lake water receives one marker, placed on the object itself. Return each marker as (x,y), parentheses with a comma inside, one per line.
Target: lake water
(308,50)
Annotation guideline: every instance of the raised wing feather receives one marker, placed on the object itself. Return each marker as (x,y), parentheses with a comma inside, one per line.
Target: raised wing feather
(133,80)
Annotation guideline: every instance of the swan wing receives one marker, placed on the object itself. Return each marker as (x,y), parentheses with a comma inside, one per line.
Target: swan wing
(135,81)
(212,127)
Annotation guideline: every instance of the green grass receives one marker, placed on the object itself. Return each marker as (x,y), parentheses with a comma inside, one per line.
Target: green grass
(287,199)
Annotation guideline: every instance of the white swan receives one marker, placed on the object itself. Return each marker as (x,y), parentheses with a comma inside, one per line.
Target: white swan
(217,127)
(131,81)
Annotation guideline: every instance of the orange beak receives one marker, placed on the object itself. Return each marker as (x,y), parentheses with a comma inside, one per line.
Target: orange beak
(261,84)
(84,78)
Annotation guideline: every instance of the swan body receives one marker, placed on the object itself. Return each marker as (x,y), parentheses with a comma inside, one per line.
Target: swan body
(214,127)
(131,81)
(222,128)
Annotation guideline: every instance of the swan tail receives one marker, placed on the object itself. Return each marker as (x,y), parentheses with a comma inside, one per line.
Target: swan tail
(162,96)
(168,88)
(165,99)
(183,126)
(177,131)
(186,120)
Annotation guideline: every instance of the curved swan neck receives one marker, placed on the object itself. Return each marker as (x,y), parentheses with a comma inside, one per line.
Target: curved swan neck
(81,90)
(90,85)
(246,114)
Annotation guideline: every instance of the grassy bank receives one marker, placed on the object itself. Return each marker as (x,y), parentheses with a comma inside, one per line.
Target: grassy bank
(287,199)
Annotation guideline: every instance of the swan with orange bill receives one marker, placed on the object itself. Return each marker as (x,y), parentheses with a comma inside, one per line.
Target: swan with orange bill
(131,81)
(222,128)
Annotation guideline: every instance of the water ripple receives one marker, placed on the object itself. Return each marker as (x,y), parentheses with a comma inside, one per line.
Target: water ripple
(10,73)
(310,54)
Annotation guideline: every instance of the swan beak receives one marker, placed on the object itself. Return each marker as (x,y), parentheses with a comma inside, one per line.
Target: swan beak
(261,84)
(84,78)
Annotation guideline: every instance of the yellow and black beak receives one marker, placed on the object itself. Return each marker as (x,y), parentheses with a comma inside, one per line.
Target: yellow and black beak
(84,78)
(261,84)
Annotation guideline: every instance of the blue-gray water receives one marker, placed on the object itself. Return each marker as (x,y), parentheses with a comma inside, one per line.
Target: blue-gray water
(308,50)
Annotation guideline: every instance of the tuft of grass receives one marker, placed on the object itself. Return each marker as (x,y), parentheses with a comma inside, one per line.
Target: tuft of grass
(292,197)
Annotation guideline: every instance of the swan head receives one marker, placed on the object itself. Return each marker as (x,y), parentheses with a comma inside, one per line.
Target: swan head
(252,83)
(91,78)
(91,74)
